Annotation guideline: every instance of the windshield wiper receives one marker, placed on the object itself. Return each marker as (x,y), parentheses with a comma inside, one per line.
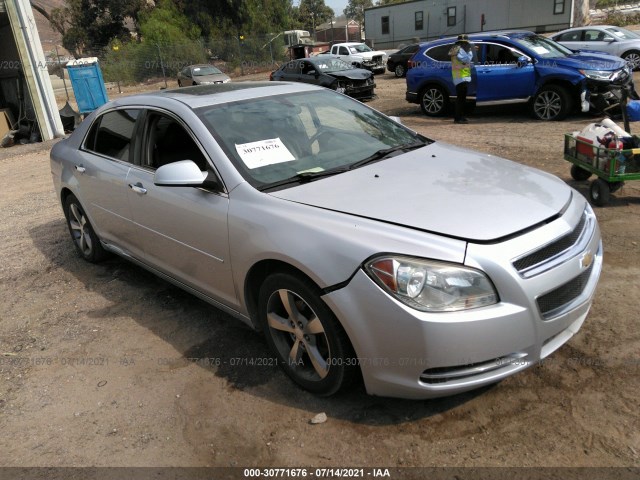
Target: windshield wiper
(385,152)
(304,177)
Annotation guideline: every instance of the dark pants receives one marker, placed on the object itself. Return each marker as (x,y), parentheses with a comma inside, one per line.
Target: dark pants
(461,99)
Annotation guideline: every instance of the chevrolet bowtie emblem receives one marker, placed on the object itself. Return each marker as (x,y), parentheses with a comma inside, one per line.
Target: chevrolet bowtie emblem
(585,261)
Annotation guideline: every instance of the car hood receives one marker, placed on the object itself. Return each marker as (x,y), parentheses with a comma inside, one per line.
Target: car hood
(441,189)
(217,77)
(355,74)
(589,60)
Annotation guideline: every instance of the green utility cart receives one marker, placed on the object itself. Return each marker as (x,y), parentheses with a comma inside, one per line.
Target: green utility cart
(613,167)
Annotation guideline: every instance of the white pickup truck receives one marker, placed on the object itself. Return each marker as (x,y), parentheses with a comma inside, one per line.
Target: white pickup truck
(360,56)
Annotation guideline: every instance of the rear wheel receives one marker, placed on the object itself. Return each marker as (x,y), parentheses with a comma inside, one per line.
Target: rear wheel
(552,102)
(434,101)
(633,58)
(84,238)
(400,70)
(599,192)
(579,174)
(310,344)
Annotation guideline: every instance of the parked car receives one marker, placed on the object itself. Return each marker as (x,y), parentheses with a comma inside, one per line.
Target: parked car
(201,75)
(603,38)
(518,67)
(311,217)
(360,55)
(397,62)
(330,72)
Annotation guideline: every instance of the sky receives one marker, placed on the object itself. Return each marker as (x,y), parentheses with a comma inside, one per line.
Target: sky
(337,5)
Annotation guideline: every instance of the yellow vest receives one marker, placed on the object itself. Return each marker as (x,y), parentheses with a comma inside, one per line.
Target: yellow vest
(458,69)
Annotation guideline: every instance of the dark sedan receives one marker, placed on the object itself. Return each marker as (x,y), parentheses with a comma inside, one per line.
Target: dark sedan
(330,72)
(397,62)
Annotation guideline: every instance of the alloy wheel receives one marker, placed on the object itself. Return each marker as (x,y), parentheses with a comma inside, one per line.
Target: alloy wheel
(80,229)
(433,101)
(548,105)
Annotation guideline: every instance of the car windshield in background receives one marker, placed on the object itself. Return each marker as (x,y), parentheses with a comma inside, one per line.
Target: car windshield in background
(202,71)
(359,48)
(543,47)
(295,138)
(332,65)
(623,33)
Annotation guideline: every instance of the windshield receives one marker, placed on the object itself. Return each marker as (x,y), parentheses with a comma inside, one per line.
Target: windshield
(623,33)
(543,47)
(361,47)
(282,137)
(208,70)
(331,65)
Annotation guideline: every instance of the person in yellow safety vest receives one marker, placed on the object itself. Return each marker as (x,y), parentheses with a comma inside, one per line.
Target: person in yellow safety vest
(461,56)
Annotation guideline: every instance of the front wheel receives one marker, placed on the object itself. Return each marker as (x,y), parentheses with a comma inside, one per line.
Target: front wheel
(84,238)
(309,343)
(600,192)
(633,58)
(400,70)
(434,101)
(579,174)
(551,103)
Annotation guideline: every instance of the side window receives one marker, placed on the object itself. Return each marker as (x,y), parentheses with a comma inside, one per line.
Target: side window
(168,142)
(499,55)
(593,36)
(343,51)
(412,49)
(111,134)
(440,53)
(570,37)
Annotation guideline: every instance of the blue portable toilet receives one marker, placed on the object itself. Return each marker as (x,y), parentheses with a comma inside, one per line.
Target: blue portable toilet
(88,84)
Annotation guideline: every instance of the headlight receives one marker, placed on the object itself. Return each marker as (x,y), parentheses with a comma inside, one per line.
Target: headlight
(602,75)
(432,286)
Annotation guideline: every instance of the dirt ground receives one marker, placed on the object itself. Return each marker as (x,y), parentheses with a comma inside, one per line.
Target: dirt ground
(107,365)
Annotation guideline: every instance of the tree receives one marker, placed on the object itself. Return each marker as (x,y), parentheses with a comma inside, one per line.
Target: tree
(87,26)
(314,12)
(355,9)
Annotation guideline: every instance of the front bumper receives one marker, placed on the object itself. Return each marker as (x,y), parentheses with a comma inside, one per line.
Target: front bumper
(406,353)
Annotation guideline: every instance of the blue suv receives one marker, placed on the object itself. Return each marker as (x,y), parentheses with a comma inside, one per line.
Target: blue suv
(518,67)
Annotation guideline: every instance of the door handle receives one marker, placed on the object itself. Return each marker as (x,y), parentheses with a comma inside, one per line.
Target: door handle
(138,188)
(80,169)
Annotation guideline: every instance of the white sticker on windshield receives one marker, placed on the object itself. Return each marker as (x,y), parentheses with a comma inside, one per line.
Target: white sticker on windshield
(264,152)
(540,50)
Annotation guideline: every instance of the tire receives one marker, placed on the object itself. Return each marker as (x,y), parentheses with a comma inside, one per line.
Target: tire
(579,174)
(633,57)
(84,238)
(434,101)
(312,349)
(599,192)
(400,70)
(551,103)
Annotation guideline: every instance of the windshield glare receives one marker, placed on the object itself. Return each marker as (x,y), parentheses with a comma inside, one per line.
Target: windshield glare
(544,47)
(362,47)
(276,138)
(201,71)
(332,65)
(623,33)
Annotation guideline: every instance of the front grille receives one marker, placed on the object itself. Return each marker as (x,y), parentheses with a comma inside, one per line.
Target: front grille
(553,249)
(553,302)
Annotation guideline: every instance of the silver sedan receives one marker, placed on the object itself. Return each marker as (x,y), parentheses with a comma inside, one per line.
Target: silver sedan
(360,248)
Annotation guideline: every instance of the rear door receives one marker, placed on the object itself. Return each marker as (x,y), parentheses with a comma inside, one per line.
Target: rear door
(183,230)
(500,76)
(101,172)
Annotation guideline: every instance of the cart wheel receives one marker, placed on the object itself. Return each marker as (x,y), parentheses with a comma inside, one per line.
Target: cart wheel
(579,174)
(600,192)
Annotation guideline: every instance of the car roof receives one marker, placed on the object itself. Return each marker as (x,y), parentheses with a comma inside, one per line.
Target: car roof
(508,34)
(204,95)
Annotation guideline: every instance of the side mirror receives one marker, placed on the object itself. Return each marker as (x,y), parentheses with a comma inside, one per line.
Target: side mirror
(312,72)
(609,39)
(523,61)
(396,119)
(184,173)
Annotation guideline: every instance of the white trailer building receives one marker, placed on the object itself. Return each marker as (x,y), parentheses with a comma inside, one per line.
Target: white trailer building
(388,26)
